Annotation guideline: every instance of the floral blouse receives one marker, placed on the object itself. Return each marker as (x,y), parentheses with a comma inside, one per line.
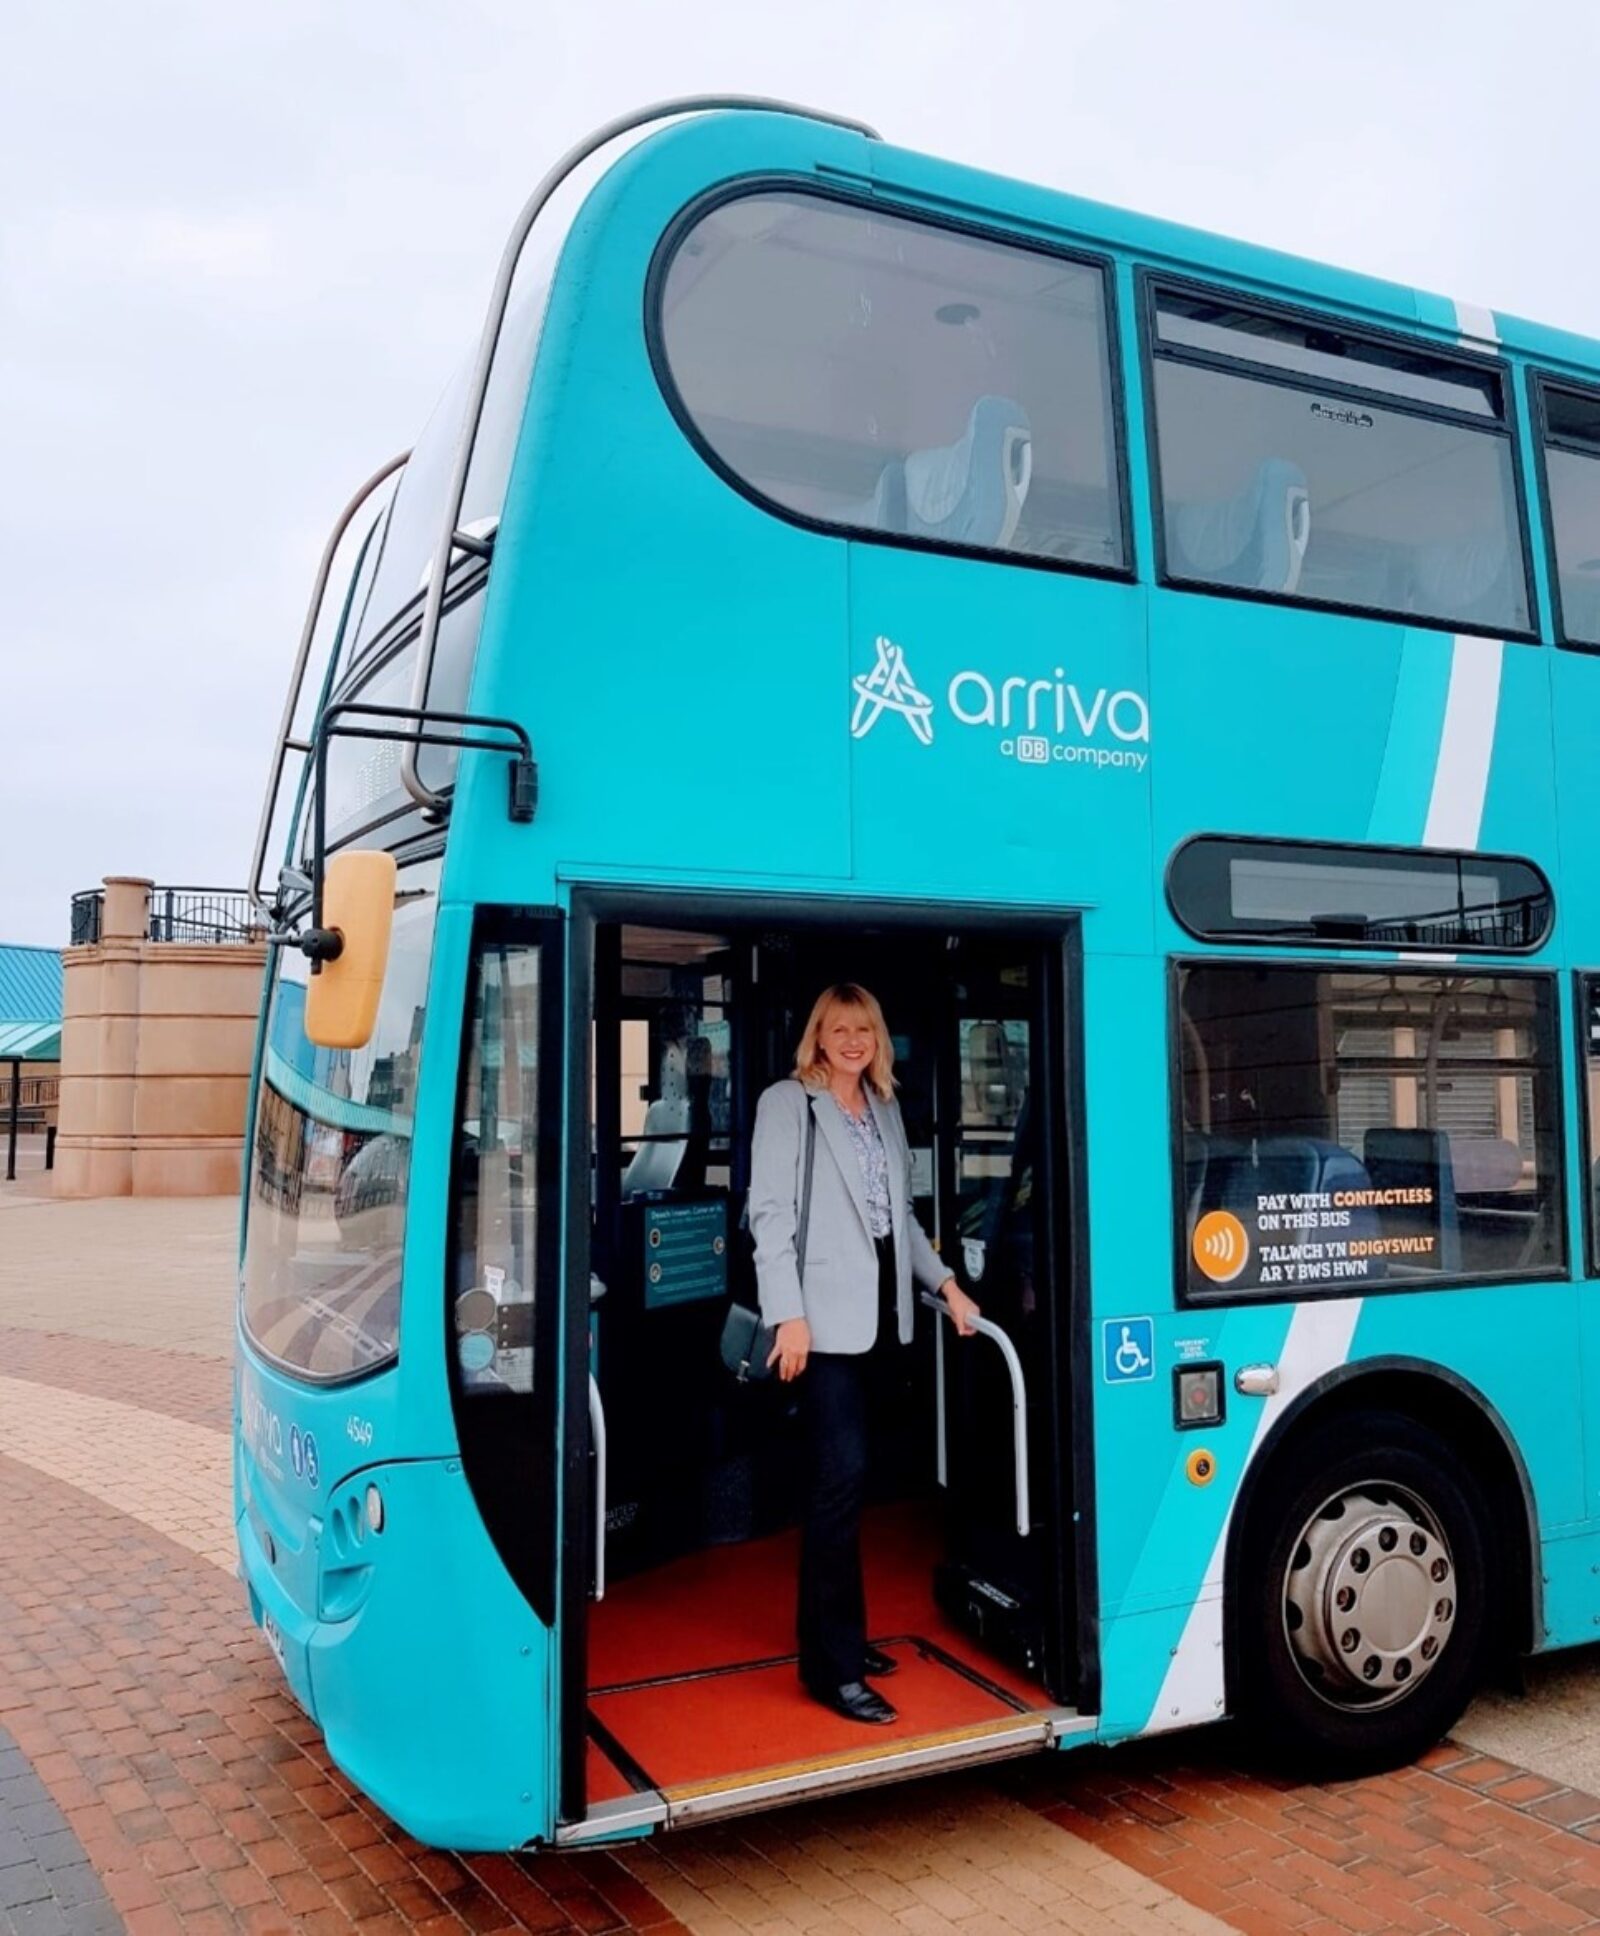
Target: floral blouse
(874,1161)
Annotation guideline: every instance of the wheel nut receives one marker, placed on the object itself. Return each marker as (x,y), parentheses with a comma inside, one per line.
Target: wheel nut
(1402,1670)
(1360,1560)
(1439,1568)
(1419,1544)
(1371,1667)
(1388,1539)
(1345,1598)
(1429,1648)
(1350,1639)
(1443,1609)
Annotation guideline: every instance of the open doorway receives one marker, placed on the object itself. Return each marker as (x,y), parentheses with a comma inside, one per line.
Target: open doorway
(689,1689)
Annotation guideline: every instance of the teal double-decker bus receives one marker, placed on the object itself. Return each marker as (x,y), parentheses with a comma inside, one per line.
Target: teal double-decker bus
(1162,670)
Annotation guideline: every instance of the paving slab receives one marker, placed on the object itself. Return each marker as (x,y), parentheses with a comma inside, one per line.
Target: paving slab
(156,1776)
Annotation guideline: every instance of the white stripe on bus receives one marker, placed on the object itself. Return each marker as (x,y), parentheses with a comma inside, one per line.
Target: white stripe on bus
(1318,1342)
(1466,745)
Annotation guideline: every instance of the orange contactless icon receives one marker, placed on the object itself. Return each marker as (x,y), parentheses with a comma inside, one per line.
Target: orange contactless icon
(1221,1246)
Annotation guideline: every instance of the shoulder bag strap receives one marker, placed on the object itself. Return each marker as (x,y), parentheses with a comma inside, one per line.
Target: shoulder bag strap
(805,1189)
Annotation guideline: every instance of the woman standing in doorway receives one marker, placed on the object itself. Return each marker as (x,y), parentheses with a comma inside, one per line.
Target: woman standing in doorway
(843,1313)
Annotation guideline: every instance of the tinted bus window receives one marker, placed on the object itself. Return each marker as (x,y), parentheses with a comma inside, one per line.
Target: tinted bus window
(1353,1130)
(364,785)
(1572,474)
(887,377)
(1301,462)
(326,1214)
(417,514)
(1361,897)
(497,1149)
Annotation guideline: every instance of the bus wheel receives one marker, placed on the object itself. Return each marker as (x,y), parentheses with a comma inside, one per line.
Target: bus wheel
(1369,1601)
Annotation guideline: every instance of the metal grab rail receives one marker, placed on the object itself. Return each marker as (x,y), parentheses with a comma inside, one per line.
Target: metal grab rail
(597,1434)
(450,538)
(1019,1402)
(286,744)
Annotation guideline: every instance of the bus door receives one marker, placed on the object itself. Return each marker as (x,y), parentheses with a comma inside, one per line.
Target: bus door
(503,1292)
(681,1499)
(1004,1415)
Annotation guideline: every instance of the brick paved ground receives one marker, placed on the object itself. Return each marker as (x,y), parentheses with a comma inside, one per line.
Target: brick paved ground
(154,1774)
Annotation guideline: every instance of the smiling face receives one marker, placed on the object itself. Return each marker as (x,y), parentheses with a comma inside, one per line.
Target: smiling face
(847,1041)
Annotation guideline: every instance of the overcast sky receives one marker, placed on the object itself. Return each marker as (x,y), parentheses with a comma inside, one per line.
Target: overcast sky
(242,246)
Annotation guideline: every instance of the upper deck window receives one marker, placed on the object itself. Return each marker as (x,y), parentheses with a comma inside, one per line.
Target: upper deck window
(899,380)
(416,515)
(1572,483)
(1299,460)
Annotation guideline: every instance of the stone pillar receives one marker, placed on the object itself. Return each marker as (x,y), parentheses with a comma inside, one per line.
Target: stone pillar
(99,1047)
(156,1045)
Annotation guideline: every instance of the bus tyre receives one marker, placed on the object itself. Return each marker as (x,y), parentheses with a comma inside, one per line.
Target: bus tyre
(1369,1597)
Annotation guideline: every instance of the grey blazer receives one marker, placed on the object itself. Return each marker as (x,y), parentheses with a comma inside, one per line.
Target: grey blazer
(839,1297)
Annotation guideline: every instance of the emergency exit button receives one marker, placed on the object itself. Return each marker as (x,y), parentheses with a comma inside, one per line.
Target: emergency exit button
(1196,1395)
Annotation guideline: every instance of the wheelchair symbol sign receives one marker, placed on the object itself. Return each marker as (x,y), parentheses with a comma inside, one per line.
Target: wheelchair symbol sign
(1129,1350)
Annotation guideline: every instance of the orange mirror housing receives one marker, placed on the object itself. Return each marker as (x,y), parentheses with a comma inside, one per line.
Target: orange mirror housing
(358,901)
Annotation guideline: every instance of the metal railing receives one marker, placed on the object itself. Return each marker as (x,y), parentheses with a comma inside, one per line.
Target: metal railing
(1503,926)
(204,915)
(86,912)
(35,1094)
(286,743)
(1019,1402)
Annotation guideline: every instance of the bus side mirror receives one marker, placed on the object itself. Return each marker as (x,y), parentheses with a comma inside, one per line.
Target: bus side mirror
(357,907)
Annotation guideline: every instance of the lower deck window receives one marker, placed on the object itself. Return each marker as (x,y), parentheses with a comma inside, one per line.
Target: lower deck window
(497,1147)
(331,1162)
(1346,1129)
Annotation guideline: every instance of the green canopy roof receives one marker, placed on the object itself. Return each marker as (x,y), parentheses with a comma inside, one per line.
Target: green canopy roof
(30,1041)
(30,1004)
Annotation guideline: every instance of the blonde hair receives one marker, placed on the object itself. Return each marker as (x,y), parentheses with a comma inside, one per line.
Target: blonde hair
(811,1065)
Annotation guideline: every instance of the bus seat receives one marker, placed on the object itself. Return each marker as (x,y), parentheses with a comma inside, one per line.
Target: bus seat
(1235,1173)
(1484,1165)
(1466,578)
(1256,541)
(655,1165)
(1413,1159)
(970,492)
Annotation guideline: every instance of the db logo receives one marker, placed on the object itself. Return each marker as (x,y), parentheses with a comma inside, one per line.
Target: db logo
(1221,1246)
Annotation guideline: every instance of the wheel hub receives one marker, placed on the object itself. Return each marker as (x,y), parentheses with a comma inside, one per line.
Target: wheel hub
(1370,1598)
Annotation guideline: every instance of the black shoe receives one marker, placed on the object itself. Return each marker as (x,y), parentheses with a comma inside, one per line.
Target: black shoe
(877,1665)
(855,1701)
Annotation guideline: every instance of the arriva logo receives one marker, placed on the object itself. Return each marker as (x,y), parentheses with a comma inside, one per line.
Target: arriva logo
(888,688)
(1044,721)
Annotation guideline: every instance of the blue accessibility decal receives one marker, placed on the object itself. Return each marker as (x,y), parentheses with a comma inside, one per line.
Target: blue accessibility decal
(1128,1350)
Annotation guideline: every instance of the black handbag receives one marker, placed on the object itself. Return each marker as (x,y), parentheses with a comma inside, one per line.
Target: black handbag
(746,1341)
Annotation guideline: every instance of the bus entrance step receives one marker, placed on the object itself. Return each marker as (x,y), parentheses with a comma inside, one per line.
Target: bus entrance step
(735,1737)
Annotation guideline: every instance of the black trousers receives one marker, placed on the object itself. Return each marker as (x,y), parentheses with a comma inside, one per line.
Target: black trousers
(847,1401)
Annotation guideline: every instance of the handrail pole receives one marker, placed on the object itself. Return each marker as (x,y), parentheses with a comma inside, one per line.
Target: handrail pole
(483,368)
(1019,1403)
(319,590)
(597,1432)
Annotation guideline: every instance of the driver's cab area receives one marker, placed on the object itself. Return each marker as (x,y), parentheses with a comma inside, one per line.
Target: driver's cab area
(690,1698)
